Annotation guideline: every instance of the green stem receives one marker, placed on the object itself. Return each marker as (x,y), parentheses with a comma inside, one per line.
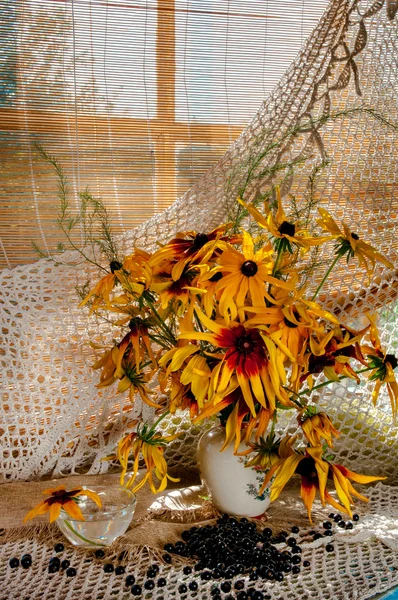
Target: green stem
(321,385)
(69,526)
(162,324)
(318,289)
(159,420)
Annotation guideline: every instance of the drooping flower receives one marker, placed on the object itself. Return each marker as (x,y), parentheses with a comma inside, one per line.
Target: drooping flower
(331,354)
(285,232)
(178,291)
(101,292)
(129,378)
(59,499)
(134,277)
(148,444)
(190,248)
(290,324)
(383,365)
(349,243)
(315,472)
(268,451)
(317,426)
(192,368)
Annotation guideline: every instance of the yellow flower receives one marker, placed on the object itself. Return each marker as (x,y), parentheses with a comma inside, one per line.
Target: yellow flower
(148,444)
(192,368)
(101,292)
(383,366)
(331,353)
(285,232)
(116,366)
(350,244)
(315,472)
(190,248)
(250,358)
(134,275)
(245,274)
(61,499)
(179,291)
(317,425)
(267,451)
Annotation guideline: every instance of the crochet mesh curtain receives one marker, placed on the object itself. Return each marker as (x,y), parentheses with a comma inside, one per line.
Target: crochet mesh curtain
(52,418)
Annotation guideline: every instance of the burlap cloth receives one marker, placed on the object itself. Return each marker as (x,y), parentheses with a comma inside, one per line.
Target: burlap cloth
(365,560)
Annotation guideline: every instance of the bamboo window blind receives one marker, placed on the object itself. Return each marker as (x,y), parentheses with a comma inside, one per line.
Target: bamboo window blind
(136,99)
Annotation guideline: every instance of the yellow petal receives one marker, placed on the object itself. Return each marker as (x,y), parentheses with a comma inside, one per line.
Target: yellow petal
(73,510)
(94,497)
(55,510)
(285,473)
(40,509)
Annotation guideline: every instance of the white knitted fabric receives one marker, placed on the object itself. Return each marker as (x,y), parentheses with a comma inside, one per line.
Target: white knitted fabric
(353,571)
(52,418)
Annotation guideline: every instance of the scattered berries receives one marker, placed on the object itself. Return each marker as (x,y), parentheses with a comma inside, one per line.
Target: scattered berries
(120,570)
(13,562)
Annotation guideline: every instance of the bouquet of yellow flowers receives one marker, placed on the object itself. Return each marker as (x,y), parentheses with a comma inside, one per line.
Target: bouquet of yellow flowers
(225,321)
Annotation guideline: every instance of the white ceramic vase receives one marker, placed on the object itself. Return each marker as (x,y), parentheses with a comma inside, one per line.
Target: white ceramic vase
(233,487)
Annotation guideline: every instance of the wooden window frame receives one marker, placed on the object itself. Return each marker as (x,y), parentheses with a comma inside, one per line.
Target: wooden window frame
(166,132)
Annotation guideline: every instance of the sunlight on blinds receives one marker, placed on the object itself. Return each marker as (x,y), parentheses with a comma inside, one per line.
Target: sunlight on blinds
(136,100)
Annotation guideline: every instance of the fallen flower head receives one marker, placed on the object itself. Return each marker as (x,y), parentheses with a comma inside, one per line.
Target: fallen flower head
(60,499)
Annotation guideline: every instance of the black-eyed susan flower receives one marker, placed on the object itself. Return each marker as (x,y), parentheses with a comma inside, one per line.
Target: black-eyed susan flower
(245,274)
(192,368)
(100,294)
(350,244)
(189,248)
(134,277)
(249,357)
(285,232)
(317,426)
(315,472)
(148,444)
(59,499)
(331,353)
(129,378)
(176,291)
(382,365)
(267,451)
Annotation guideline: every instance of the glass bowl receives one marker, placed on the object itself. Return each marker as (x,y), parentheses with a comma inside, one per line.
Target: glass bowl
(103,525)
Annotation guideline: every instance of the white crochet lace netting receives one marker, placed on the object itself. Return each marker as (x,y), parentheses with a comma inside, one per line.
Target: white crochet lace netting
(52,418)
(364,562)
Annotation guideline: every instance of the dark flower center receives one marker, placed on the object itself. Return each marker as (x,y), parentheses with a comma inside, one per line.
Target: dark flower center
(287,228)
(249,268)
(289,323)
(354,236)
(306,468)
(200,240)
(390,358)
(216,277)
(59,493)
(245,345)
(136,322)
(115,266)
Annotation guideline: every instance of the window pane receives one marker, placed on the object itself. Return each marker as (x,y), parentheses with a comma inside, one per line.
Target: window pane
(98,57)
(231,53)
